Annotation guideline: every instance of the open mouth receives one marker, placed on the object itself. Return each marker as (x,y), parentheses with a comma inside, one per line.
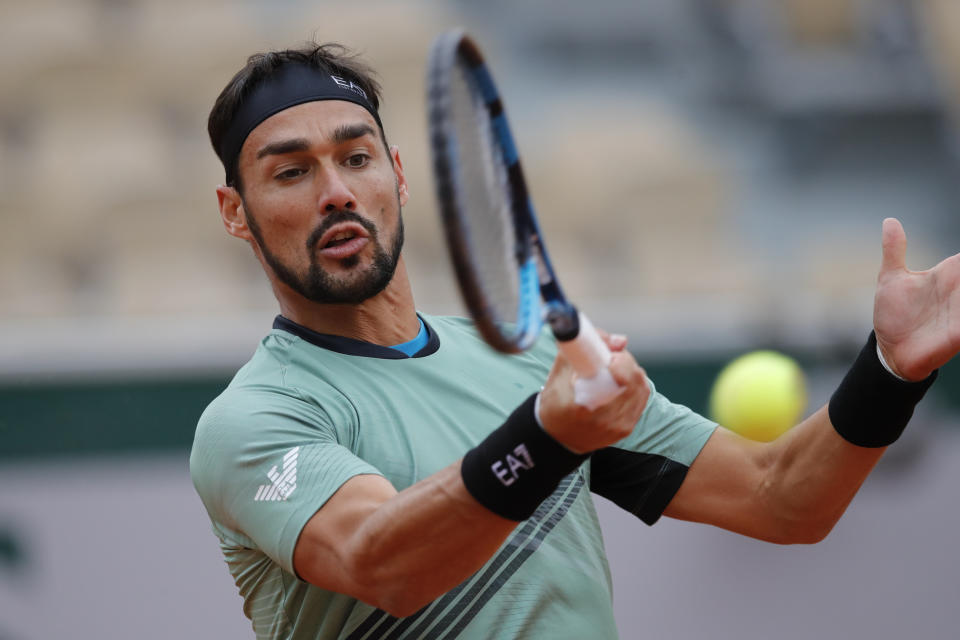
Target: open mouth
(339,239)
(343,240)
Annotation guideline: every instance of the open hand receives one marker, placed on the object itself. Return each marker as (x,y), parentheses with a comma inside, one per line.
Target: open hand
(916,314)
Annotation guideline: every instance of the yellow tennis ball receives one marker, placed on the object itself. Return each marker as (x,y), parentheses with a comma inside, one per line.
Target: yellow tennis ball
(759,395)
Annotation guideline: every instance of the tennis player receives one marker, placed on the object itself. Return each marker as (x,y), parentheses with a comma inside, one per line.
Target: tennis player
(375,472)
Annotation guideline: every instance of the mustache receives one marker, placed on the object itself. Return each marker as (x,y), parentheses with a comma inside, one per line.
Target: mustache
(337,217)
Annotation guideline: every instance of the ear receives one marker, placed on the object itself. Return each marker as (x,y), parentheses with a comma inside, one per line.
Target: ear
(232,213)
(402,187)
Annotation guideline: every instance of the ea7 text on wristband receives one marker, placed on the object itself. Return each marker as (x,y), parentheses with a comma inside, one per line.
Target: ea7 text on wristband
(517,466)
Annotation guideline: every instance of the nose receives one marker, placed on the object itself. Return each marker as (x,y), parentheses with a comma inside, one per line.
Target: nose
(335,194)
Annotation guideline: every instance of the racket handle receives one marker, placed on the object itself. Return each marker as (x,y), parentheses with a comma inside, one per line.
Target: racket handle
(590,358)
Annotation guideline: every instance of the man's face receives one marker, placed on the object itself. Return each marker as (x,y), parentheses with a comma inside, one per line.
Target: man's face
(322,198)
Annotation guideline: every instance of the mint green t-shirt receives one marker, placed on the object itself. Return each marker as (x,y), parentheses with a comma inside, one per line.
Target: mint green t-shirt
(310,411)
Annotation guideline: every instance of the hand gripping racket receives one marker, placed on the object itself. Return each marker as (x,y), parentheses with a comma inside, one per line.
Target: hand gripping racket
(495,243)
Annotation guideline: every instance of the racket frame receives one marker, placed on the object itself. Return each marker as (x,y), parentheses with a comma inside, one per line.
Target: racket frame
(536,277)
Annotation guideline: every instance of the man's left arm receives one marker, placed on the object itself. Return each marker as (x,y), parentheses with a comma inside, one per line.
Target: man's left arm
(791,490)
(795,488)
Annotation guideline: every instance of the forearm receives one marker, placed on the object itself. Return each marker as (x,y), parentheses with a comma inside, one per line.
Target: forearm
(398,551)
(795,488)
(820,464)
(810,476)
(424,541)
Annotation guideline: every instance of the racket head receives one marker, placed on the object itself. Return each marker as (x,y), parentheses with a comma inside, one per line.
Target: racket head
(482,196)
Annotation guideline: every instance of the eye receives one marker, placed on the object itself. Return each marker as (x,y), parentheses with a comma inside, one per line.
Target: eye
(289,174)
(357,160)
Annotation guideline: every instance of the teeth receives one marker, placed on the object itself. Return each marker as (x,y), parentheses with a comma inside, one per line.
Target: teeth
(339,237)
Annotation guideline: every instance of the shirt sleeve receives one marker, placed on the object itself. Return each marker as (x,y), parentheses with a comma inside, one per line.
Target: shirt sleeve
(643,472)
(263,463)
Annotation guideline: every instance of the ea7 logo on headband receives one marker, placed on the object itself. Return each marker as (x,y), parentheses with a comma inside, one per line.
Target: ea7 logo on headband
(349,86)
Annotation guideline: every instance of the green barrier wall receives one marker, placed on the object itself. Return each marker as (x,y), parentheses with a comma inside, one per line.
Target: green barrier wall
(147,415)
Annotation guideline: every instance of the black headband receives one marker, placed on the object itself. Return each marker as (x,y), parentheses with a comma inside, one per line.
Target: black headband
(290,85)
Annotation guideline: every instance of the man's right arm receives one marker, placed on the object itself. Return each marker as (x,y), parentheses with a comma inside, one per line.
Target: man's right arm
(400,550)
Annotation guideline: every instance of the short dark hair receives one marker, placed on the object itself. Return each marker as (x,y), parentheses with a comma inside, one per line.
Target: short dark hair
(330,58)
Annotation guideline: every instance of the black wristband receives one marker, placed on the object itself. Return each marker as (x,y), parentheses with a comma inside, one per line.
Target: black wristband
(517,466)
(871,407)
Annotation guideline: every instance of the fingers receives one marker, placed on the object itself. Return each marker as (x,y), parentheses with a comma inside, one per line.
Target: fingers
(614,341)
(583,429)
(561,367)
(894,243)
(626,371)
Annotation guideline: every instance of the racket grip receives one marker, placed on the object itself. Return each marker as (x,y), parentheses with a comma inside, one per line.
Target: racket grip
(590,358)
(597,391)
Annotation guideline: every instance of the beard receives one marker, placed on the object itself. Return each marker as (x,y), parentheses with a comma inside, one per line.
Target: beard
(316,284)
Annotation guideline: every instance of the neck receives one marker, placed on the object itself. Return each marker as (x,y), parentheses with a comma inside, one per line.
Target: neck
(386,319)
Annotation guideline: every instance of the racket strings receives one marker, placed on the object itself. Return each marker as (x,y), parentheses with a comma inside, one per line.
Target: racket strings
(485,203)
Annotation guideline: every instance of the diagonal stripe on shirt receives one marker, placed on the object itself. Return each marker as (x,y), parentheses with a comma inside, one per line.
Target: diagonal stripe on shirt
(552,521)
(466,600)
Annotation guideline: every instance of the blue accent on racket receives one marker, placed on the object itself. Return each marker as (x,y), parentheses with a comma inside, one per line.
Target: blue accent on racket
(485,81)
(529,315)
(509,149)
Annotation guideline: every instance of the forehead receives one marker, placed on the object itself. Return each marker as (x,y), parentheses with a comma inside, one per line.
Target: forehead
(314,121)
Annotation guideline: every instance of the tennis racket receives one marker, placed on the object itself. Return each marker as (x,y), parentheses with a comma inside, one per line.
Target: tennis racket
(495,244)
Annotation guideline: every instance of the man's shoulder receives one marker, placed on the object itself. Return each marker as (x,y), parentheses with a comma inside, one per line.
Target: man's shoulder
(264,375)
(235,415)
(271,382)
(281,366)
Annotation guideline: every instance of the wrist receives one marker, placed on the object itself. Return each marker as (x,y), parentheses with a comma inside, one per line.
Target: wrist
(517,466)
(886,366)
(873,404)
(536,415)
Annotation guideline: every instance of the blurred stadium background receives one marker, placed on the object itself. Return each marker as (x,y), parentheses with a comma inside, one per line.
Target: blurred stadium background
(712,175)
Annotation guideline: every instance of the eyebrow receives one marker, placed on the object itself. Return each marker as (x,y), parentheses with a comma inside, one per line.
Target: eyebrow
(283,146)
(347,132)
